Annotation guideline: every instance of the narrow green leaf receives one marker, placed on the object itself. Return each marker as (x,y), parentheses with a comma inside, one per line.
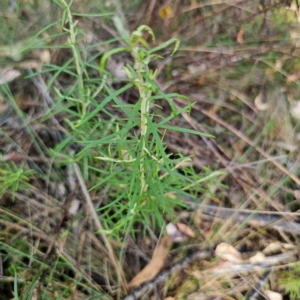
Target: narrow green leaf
(185,130)
(107,55)
(139,31)
(92,15)
(165,45)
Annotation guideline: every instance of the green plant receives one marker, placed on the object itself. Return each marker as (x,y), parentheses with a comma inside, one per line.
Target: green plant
(13,178)
(133,158)
(290,281)
(143,151)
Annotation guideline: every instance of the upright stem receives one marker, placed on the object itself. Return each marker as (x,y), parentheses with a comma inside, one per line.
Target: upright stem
(75,50)
(145,94)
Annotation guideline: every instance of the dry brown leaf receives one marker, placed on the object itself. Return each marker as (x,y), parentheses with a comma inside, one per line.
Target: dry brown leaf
(229,253)
(186,230)
(297,194)
(287,146)
(32,64)
(239,146)
(175,235)
(35,294)
(273,295)
(8,75)
(213,110)
(193,3)
(14,156)
(17,157)
(293,77)
(272,248)
(3,107)
(259,257)
(157,262)
(239,37)
(258,101)
(45,56)
(295,110)
(74,206)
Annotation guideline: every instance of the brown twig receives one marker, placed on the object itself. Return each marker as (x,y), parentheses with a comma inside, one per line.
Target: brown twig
(249,142)
(272,219)
(137,294)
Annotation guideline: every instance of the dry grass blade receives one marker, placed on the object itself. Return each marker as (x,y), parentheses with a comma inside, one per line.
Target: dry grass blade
(99,226)
(249,142)
(256,218)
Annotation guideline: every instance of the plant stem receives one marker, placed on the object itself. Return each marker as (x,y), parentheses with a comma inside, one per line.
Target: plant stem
(145,94)
(72,43)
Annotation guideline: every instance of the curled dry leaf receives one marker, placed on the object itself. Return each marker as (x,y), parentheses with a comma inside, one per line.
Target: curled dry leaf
(171,229)
(8,75)
(73,209)
(295,110)
(259,257)
(239,37)
(229,253)
(258,101)
(287,146)
(17,157)
(3,108)
(31,64)
(293,77)
(35,295)
(157,262)
(186,230)
(273,295)
(287,246)
(175,235)
(14,156)
(45,56)
(297,194)
(272,248)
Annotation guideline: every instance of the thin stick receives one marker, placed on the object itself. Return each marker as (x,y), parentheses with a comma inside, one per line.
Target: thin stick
(249,142)
(99,226)
(137,294)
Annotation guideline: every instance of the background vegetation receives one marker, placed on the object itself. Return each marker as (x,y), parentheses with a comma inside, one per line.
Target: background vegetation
(105,131)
